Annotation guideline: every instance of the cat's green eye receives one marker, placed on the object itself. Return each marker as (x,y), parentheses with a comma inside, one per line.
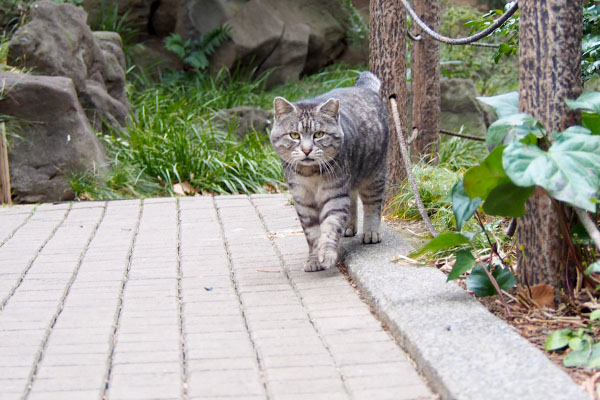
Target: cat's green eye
(294,135)
(319,134)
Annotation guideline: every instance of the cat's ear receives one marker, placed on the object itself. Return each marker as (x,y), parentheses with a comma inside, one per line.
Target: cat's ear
(282,107)
(330,108)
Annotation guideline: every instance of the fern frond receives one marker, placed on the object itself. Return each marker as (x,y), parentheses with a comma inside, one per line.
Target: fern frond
(214,38)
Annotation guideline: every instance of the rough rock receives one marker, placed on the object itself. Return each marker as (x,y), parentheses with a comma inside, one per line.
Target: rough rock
(288,59)
(151,56)
(460,108)
(163,17)
(53,138)
(58,42)
(289,38)
(196,17)
(246,119)
(255,33)
(326,41)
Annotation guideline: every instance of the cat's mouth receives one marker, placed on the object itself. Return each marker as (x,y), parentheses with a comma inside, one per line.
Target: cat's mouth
(308,161)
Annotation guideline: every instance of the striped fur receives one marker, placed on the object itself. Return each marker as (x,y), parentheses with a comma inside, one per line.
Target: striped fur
(333,150)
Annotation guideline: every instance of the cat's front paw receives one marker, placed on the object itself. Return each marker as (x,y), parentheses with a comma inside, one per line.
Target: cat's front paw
(371,237)
(327,258)
(312,265)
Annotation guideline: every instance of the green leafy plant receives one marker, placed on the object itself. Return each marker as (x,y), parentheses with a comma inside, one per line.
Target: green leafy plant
(110,19)
(565,164)
(196,54)
(508,36)
(583,351)
(357,30)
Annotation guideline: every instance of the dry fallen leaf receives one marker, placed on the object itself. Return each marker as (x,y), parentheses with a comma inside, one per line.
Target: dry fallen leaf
(183,188)
(542,295)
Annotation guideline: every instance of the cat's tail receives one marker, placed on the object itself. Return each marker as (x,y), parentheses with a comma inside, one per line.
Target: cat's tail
(368,80)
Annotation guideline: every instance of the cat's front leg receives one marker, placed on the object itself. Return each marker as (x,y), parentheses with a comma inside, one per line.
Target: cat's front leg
(308,215)
(334,219)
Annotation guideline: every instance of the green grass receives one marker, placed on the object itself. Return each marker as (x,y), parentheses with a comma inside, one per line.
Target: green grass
(435,183)
(172,138)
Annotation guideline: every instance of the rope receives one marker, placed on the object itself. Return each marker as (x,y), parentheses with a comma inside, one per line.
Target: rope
(407,166)
(462,135)
(589,225)
(416,38)
(465,40)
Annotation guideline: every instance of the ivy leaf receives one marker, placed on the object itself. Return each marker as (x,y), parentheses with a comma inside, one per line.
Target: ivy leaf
(479,283)
(464,262)
(595,315)
(593,268)
(481,179)
(559,339)
(442,241)
(587,101)
(463,206)
(591,121)
(508,200)
(574,130)
(514,128)
(594,359)
(579,357)
(504,104)
(568,171)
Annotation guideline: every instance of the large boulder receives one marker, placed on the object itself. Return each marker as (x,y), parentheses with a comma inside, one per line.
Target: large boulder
(460,108)
(289,38)
(52,138)
(326,21)
(58,42)
(245,120)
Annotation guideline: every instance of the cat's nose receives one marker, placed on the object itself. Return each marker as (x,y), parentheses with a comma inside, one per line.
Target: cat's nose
(306,151)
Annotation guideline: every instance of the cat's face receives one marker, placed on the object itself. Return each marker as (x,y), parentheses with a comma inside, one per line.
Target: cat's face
(306,134)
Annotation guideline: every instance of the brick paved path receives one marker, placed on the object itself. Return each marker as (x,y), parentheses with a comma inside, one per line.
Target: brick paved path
(197,298)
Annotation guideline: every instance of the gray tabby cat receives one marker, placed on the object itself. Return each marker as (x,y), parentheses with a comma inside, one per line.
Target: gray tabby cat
(332,148)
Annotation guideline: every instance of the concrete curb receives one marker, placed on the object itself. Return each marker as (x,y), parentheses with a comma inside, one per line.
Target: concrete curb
(462,349)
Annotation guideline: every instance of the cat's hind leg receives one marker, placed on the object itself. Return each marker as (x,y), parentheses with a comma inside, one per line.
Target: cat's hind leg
(372,194)
(352,226)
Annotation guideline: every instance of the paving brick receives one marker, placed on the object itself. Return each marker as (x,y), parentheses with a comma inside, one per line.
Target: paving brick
(248,319)
(412,392)
(69,383)
(287,374)
(222,364)
(220,348)
(306,386)
(225,383)
(62,395)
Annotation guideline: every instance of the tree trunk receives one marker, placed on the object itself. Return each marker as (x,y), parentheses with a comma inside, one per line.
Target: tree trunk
(425,71)
(549,72)
(387,59)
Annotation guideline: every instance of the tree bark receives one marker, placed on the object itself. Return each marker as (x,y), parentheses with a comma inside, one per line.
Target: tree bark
(425,71)
(549,72)
(387,60)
